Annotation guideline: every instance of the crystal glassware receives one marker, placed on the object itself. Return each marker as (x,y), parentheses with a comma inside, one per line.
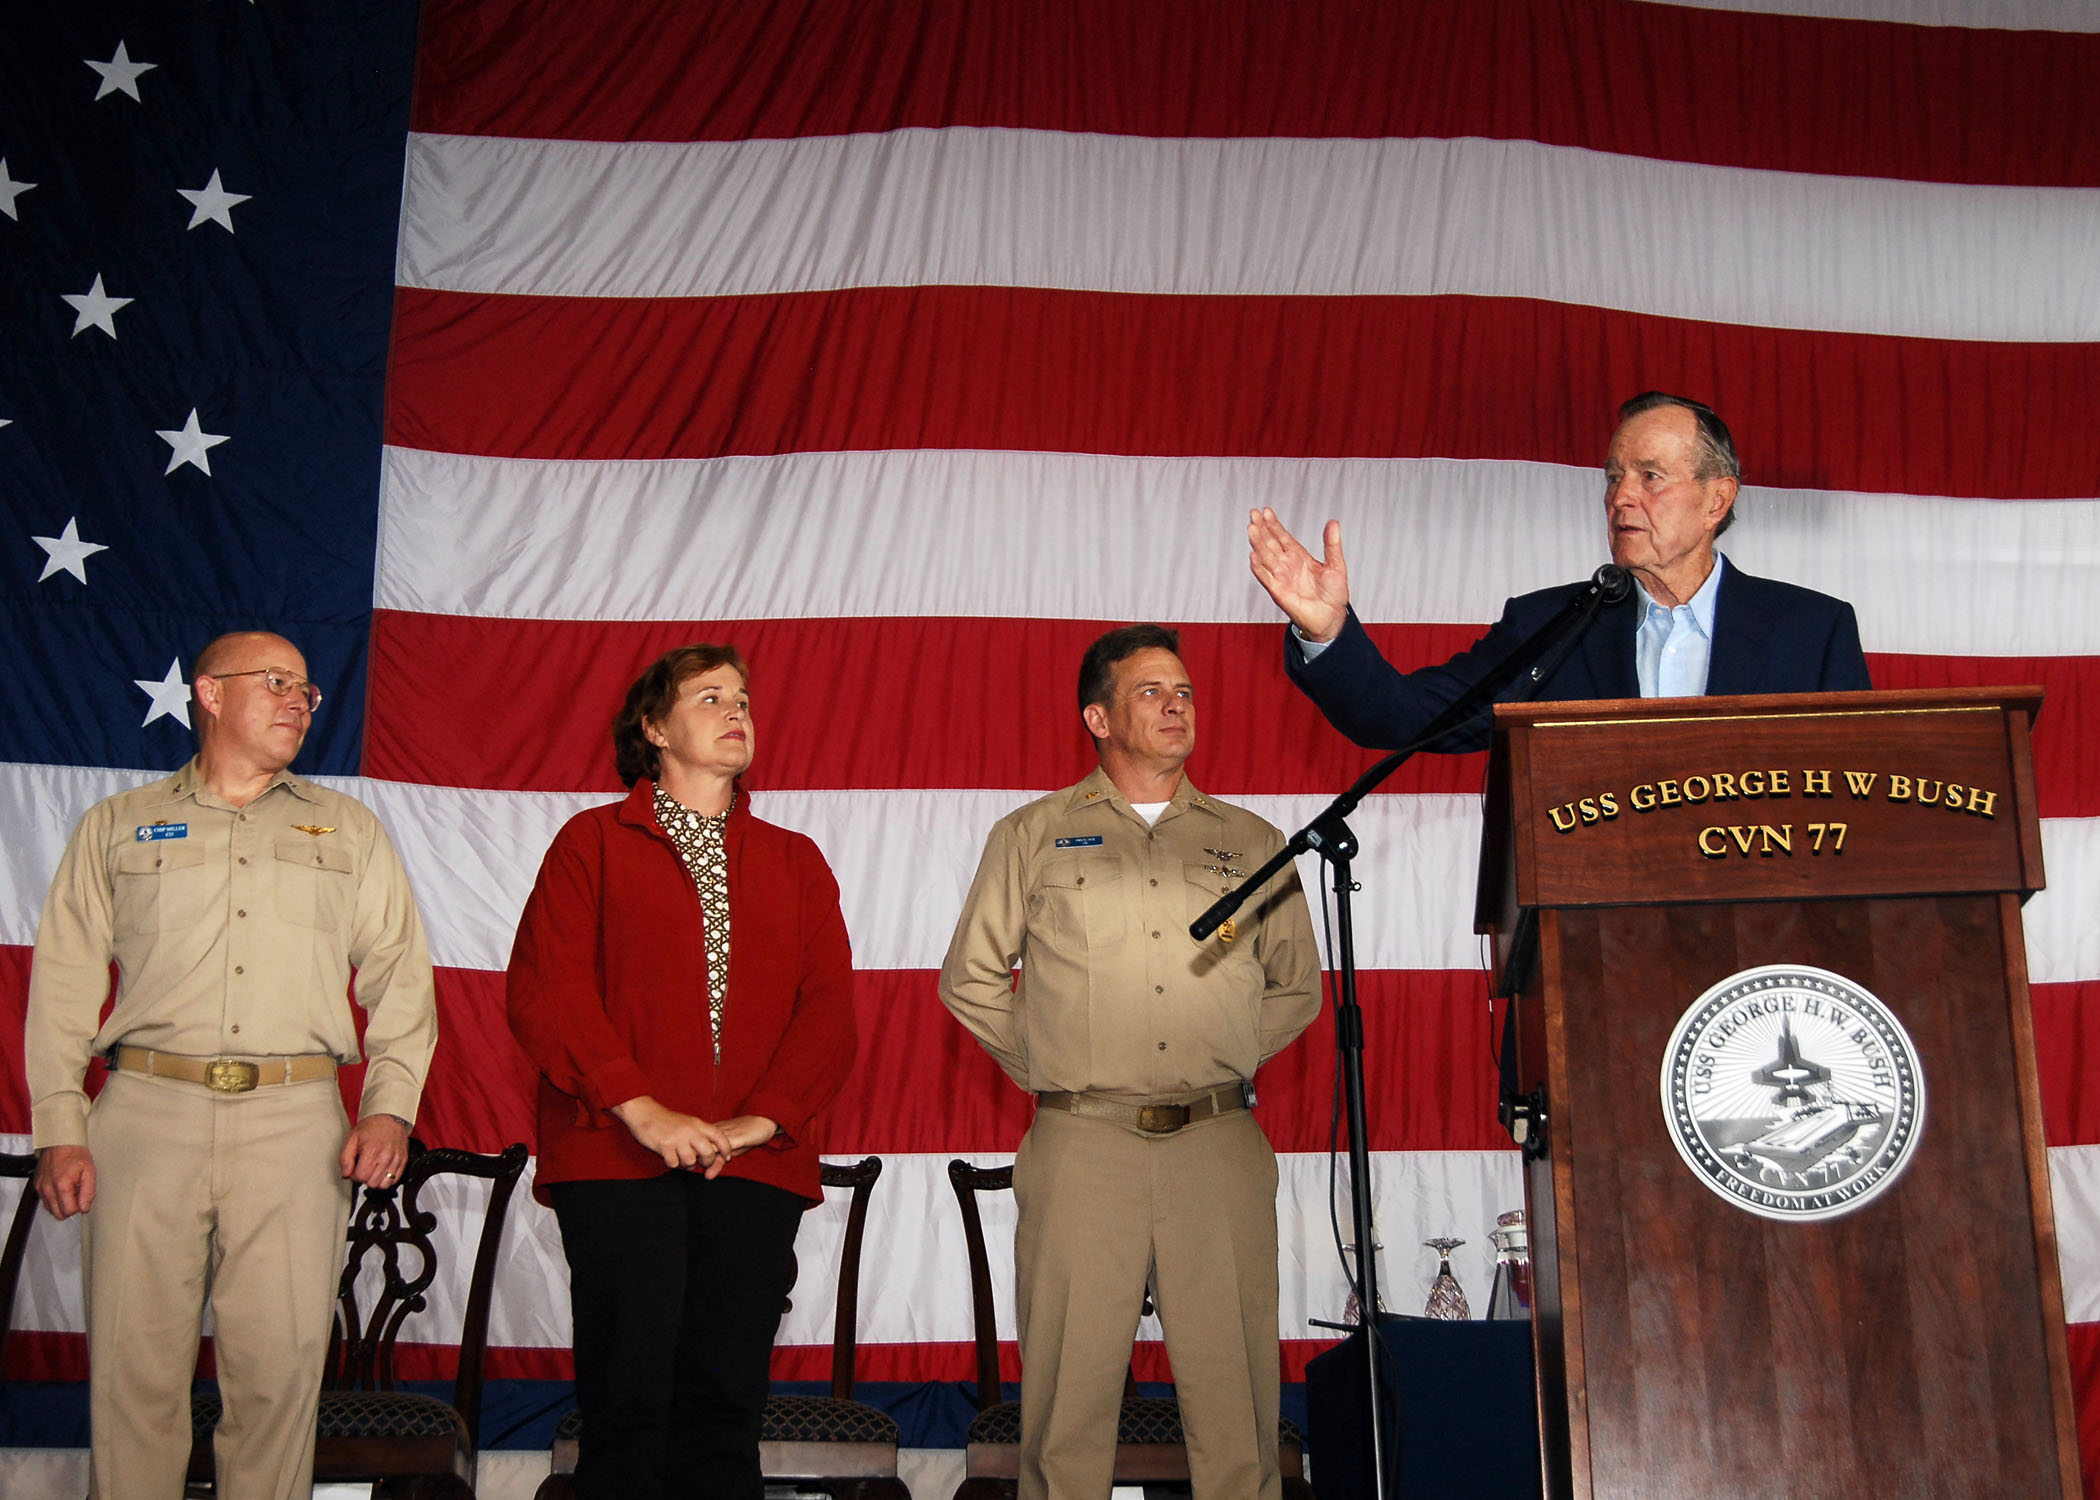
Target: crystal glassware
(1511,1297)
(1446,1299)
(1352,1312)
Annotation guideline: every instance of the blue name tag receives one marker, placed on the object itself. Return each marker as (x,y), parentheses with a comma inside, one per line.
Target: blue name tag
(1085,843)
(153,832)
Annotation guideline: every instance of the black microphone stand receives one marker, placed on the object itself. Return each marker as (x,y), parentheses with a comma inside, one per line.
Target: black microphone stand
(1329,836)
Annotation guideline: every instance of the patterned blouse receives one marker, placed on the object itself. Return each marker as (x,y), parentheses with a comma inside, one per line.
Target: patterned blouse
(699,841)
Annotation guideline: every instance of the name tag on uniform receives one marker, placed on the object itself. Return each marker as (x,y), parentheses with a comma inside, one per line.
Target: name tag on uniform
(153,832)
(1086,843)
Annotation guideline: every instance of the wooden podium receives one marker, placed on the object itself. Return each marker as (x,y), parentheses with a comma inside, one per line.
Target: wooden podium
(1639,854)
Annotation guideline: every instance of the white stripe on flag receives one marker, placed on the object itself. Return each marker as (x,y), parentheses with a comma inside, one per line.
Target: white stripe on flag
(1004,535)
(1250,217)
(472,856)
(1988,15)
(914,1270)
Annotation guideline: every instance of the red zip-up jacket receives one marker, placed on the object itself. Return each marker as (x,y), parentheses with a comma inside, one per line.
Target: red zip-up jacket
(607,993)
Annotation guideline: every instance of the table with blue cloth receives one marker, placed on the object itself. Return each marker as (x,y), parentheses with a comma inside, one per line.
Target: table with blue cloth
(1468,1413)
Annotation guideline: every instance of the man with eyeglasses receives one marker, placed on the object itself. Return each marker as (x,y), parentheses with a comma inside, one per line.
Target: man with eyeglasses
(235,900)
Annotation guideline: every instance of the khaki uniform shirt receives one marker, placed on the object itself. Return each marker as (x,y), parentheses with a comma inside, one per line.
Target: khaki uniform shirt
(234,932)
(1115,997)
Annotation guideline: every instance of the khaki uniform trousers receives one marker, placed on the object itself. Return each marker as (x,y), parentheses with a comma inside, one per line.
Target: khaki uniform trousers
(235,1198)
(1102,1208)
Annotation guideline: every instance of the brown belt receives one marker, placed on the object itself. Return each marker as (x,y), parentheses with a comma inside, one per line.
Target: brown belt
(223,1075)
(1152,1119)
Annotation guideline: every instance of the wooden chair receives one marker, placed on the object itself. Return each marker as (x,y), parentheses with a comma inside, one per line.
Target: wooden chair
(833,1443)
(17,1245)
(1149,1445)
(410,1445)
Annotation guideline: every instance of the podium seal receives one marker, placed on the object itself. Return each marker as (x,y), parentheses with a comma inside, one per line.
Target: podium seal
(1792,1092)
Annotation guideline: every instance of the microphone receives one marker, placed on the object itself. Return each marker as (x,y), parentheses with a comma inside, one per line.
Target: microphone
(1612,583)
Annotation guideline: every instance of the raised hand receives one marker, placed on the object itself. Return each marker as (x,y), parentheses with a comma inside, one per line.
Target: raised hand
(1314,592)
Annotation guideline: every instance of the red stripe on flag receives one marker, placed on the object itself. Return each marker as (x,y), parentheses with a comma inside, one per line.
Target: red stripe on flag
(958,1361)
(63,1356)
(922,1084)
(482,1090)
(1029,369)
(1857,98)
(2067,1056)
(826,720)
(549,729)
(14,1009)
(2085,1382)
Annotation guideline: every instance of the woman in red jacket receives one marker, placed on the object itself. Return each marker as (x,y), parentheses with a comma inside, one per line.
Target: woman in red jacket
(682,978)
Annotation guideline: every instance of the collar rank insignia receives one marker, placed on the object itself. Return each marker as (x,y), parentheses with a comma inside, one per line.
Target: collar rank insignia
(315,829)
(1228,930)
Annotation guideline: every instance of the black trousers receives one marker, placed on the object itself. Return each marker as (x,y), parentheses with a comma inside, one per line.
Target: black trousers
(676,1285)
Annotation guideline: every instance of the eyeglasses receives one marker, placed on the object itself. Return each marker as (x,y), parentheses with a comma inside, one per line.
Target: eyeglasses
(281,684)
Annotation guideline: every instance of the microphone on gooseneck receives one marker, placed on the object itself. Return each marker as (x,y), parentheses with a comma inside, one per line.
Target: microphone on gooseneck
(1612,583)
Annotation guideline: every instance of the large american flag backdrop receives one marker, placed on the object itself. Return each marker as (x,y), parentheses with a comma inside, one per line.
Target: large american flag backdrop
(490,350)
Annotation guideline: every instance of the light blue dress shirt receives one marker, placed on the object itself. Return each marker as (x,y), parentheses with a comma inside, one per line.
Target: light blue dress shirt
(1673,647)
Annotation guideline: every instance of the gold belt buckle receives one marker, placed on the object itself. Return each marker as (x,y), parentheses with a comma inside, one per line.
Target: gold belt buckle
(229,1075)
(1162,1119)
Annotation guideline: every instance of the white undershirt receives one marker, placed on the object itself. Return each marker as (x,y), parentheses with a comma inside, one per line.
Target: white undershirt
(1150,811)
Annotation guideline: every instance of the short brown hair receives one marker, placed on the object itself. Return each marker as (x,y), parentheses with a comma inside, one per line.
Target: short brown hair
(651,697)
(1097,677)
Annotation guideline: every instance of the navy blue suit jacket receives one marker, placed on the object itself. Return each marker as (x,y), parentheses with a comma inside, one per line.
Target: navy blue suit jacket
(1768,638)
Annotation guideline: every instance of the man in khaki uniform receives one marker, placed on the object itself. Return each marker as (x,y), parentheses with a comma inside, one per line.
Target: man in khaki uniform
(1140,1046)
(235,899)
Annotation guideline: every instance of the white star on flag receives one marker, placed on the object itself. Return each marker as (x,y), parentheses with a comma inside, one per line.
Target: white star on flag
(120,74)
(67,553)
(212,202)
(170,695)
(10,190)
(191,443)
(96,308)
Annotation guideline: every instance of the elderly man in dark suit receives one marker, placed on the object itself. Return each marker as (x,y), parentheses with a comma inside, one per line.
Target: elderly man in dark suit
(1697,624)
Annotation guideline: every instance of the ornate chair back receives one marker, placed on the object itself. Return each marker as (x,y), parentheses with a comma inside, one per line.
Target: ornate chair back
(369,1429)
(394,1231)
(17,1244)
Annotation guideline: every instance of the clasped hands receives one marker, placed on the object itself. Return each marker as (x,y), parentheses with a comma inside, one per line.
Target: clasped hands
(689,1143)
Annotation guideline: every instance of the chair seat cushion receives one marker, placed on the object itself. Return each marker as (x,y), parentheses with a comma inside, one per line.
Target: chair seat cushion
(1149,1419)
(360,1434)
(794,1419)
(824,1419)
(1002,1424)
(359,1414)
(389,1414)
